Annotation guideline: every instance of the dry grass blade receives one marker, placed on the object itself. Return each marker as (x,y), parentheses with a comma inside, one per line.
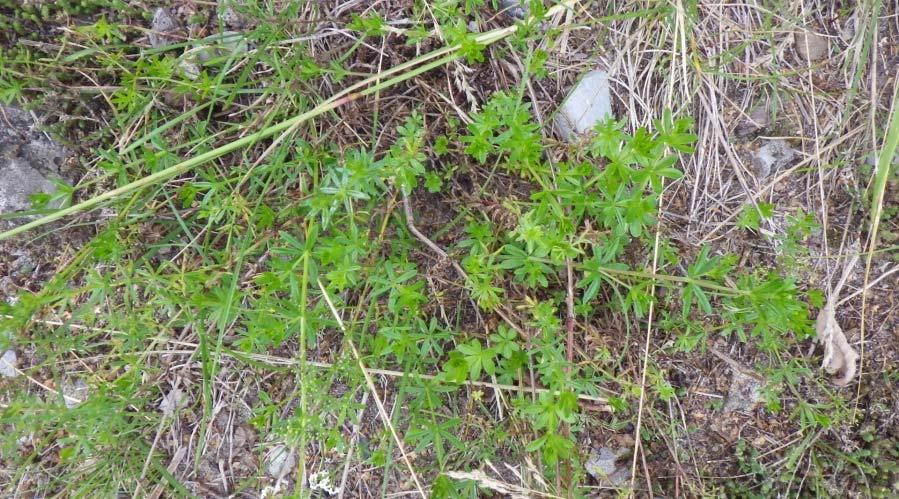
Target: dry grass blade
(483,480)
(385,417)
(368,86)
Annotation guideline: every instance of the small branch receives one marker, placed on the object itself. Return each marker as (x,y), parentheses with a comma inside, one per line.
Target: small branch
(569,322)
(349,452)
(736,366)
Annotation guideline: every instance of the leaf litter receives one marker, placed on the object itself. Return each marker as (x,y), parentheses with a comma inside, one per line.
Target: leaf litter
(839,356)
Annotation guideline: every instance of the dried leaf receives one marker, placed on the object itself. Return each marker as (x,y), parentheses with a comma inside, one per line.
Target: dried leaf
(838,354)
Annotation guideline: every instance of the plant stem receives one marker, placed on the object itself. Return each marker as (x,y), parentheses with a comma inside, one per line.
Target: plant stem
(443,56)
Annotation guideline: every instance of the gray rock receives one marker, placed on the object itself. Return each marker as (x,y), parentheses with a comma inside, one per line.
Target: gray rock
(18,181)
(603,466)
(811,47)
(587,104)
(517,9)
(24,263)
(229,16)
(280,461)
(744,393)
(75,392)
(8,364)
(28,160)
(162,28)
(772,156)
(20,137)
(757,120)
(212,49)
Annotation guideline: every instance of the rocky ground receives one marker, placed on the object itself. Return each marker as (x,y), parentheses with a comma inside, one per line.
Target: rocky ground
(32,167)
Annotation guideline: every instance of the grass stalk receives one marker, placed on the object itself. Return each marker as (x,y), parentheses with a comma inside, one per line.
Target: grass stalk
(372,84)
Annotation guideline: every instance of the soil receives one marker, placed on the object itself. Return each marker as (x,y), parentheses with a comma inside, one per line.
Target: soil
(723,426)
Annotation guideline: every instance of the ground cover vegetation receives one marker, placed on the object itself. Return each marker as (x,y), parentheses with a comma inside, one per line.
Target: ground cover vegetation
(336,248)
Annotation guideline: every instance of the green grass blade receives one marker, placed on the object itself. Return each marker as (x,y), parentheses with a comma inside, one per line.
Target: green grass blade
(332,103)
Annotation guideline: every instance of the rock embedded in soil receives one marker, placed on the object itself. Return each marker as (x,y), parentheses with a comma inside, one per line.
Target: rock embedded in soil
(757,119)
(811,47)
(517,9)
(162,28)
(744,393)
(603,466)
(28,160)
(211,49)
(772,156)
(229,16)
(588,103)
(18,182)
(280,461)
(8,364)
(75,392)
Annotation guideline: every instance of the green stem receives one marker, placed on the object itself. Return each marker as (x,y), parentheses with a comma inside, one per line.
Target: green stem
(673,278)
(371,85)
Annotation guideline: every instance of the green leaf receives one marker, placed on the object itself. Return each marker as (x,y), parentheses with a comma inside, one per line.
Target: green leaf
(477,358)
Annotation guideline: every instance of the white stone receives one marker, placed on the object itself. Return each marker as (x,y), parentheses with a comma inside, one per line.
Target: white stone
(280,461)
(589,103)
(8,364)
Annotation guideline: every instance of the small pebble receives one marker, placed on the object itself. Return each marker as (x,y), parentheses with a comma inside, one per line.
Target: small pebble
(75,392)
(744,393)
(811,46)
(8,364)
(587,104)
(757,120)
(775,154)
(514,8)
(280,461)
(163,24)
(603,466)
(230,17)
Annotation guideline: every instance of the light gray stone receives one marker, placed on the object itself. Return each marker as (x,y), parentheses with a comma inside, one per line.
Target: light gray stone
(8,364)
(75,392)
(18,181)
(28,160)
(811,47)
(280,461)
(772,156)
(23,264)
(603,466)
(744,393)
(229,15)
(589,103)
(162,28)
